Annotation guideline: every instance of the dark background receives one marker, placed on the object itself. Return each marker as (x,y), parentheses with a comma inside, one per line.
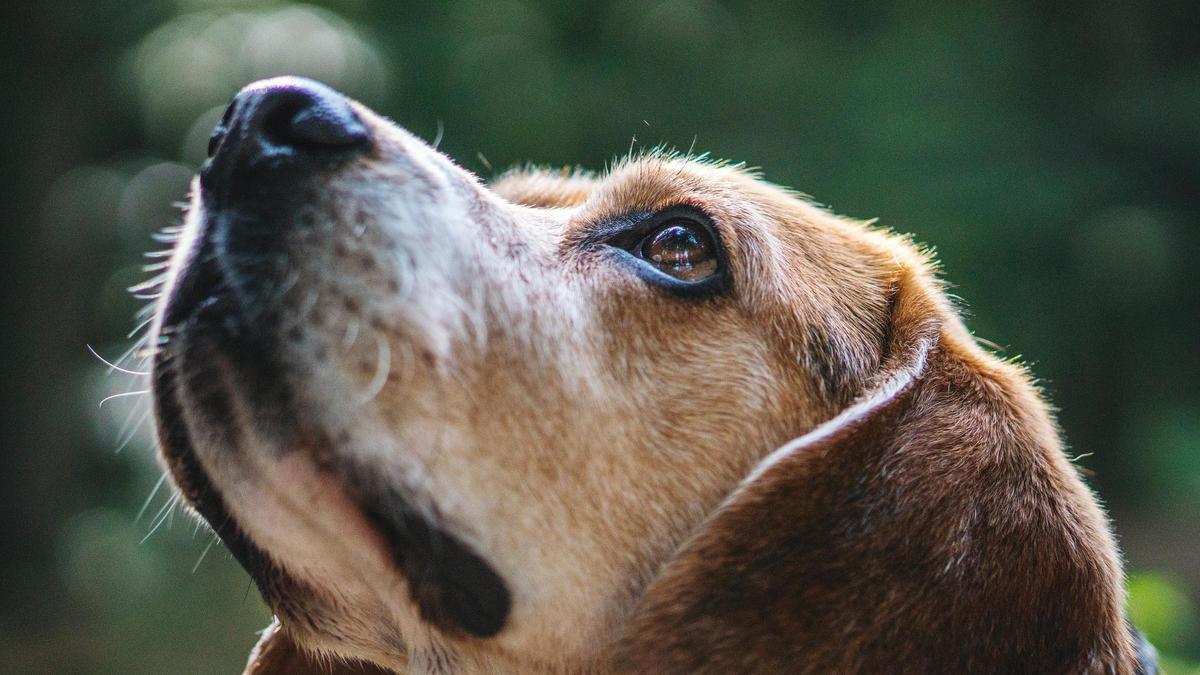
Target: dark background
(1049,151)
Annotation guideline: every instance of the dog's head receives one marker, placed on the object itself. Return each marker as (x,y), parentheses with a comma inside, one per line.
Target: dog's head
(663,418)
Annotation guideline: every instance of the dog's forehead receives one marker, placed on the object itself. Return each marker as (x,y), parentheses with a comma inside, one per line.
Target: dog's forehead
(644,184)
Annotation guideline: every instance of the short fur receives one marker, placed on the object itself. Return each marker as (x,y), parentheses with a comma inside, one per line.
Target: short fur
(819,470)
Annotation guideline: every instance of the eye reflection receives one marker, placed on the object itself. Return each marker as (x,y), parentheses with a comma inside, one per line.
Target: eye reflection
(681,248)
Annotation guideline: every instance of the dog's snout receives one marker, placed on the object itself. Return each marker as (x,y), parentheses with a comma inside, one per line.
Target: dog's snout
(287,120)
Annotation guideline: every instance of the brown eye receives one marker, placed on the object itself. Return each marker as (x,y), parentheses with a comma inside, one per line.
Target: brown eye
(681,248)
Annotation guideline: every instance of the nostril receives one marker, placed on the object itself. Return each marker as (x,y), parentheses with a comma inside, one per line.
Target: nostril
(214,140)
(329,126)
(309,119)
(275,120)
(221,130)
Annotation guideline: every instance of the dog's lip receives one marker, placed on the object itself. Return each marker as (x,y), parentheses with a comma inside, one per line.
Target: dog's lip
(452,587)
(193,481)
(197,486)
(325,492)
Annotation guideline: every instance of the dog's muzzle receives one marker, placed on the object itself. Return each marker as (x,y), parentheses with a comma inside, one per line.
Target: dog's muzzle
(280,141)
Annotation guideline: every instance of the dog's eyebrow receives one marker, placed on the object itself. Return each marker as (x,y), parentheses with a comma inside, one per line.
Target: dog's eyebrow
(592,232)
(644,185)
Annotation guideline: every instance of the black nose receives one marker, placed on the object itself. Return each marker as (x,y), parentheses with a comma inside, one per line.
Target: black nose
(286,120)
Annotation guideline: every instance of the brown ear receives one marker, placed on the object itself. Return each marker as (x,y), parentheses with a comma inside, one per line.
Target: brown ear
(277,654)
(932,526)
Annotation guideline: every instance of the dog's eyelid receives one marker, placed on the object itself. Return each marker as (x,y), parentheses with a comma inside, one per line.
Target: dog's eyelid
(615,228)
(603,231)
(626,237)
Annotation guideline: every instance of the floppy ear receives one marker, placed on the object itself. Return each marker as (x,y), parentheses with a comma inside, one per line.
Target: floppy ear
(933,526)
(277,654)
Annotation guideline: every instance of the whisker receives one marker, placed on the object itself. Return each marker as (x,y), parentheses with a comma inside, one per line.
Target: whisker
(146,504)
(160,515)
(163,514)
(141,324)
(113,366)
(167,235)
(437,140)
(132,353)
(129,430)
(204,553)
(123,394)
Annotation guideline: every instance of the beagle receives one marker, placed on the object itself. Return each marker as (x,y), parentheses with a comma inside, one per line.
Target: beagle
(666,419)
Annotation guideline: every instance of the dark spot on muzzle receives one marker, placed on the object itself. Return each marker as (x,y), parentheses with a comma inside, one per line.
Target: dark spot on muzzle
(455,589)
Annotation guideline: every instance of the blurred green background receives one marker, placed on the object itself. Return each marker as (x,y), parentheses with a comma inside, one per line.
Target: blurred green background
(1049,151)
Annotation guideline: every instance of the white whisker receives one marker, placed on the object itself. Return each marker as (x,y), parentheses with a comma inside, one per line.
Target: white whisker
(163,514)
(204,553)
(131,353)
(123,394)
(141,324)
(437,140)
(146,504)
(129,430)
(113,366)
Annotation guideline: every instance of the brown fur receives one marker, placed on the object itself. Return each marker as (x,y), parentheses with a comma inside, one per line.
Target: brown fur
(277,653)
(816,471)
(943,532)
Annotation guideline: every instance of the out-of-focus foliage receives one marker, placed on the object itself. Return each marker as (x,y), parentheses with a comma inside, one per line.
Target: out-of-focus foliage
(1049,151)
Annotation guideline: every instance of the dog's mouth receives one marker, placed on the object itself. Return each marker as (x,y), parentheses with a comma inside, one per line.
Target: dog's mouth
(213,358)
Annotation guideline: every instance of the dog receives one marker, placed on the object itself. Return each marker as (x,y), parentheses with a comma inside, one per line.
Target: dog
(666,419)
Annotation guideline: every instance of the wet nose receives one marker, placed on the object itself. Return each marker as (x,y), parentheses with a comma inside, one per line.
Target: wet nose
(287,119)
